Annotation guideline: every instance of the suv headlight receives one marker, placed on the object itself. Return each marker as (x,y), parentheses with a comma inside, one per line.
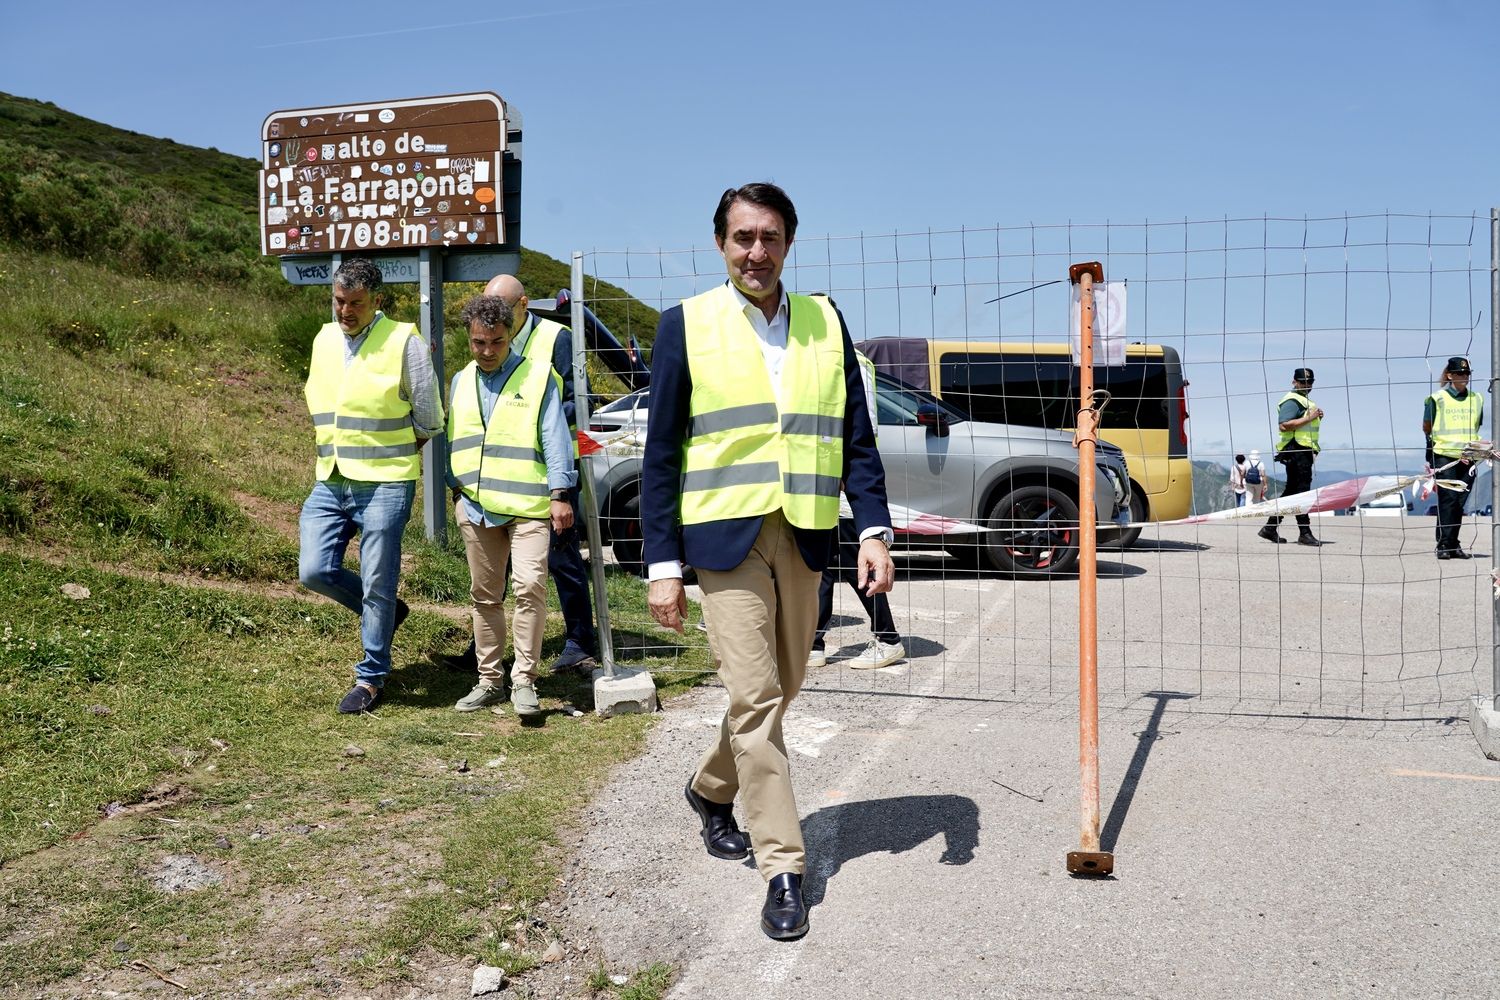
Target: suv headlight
(1115,484)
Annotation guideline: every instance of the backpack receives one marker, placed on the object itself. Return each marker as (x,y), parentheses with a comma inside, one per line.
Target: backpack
(1252,474)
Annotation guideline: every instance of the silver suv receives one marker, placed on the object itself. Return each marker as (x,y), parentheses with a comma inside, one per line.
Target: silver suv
(998,495)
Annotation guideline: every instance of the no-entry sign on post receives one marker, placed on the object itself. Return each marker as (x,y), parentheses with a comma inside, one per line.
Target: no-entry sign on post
(400,175)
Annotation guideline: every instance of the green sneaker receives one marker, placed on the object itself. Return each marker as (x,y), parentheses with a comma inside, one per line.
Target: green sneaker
(523,699)
(482,696)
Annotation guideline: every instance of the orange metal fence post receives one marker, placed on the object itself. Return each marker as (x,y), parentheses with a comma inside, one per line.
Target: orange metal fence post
(1088,859)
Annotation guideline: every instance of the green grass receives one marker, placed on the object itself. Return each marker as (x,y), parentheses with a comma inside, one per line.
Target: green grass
(448,827)
(649,983)
(141,419)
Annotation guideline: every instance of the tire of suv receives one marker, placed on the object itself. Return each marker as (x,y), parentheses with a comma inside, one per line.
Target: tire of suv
(1033,532)
(625,535)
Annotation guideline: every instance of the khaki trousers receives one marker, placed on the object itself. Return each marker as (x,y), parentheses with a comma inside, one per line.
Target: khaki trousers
(761,617)
(524,544)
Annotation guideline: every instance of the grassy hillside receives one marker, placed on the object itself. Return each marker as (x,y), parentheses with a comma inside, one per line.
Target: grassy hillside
(148,206)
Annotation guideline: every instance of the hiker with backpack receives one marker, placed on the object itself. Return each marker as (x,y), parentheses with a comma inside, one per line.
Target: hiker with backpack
(1247,478)
(1255,476)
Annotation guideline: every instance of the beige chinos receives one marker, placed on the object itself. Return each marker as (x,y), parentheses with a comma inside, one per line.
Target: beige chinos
(761,616)
(524,543)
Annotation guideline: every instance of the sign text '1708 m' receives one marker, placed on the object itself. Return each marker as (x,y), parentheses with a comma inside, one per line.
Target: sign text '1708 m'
(347,236)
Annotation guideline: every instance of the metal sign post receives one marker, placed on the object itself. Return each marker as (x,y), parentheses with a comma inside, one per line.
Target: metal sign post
(1088,859)
(435,455)
(588,505)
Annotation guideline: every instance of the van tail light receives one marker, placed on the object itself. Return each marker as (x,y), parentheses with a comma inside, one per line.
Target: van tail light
(1182,413)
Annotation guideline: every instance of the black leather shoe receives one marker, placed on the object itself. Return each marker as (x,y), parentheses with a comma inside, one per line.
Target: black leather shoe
(1306,538)
(1270,535)
(361,698)
(465,662)
(1458,553)
(785,915)
(1445,553)
(721,835)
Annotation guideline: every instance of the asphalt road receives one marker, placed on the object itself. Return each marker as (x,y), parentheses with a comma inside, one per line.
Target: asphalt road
(1294,801)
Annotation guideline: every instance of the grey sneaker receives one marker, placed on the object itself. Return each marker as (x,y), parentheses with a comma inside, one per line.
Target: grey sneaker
(523,699)
(878,654)
(483,696)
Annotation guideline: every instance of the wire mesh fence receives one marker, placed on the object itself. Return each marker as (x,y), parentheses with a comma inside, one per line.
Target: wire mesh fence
(1217,314)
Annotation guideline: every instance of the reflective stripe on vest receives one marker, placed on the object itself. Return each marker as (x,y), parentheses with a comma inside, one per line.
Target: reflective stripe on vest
(1305,435)
(539,347)
(867,369)
(360,422)
(1455,422)
(746,453)
(501,465)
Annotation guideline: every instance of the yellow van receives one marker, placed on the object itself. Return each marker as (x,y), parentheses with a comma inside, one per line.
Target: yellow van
(1036,385)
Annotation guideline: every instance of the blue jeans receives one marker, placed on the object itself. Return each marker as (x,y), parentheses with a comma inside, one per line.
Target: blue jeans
(334,511)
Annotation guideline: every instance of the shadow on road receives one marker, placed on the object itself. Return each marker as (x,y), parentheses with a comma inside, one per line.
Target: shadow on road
(840,833)
(949,570)
(1144,544)
(1145,740)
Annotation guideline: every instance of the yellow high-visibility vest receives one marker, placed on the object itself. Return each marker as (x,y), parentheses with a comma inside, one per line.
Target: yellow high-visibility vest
(1455,422)
(500,463)
(361,424)
(1305,435)
(867,367)
(539,347)
(750,450)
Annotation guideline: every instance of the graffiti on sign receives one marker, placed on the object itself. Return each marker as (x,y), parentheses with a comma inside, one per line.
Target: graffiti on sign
(395,175)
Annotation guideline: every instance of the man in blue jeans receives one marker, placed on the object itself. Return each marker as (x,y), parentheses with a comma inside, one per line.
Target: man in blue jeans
(374,401)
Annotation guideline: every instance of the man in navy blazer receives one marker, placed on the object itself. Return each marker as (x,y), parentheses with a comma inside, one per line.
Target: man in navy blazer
(759,571)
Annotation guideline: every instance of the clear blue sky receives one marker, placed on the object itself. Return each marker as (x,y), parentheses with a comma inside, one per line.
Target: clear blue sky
(876,116)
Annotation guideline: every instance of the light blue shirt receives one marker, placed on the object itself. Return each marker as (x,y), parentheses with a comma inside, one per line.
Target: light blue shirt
(557,446)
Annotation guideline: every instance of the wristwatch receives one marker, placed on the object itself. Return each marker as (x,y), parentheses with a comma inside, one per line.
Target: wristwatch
(561,496)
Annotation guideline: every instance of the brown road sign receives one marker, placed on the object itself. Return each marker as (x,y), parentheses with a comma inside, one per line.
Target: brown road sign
(394,175)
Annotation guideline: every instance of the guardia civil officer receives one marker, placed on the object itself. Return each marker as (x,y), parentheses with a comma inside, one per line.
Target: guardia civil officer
(1451,418)
(1298,419)
(757,413)
(374,402)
